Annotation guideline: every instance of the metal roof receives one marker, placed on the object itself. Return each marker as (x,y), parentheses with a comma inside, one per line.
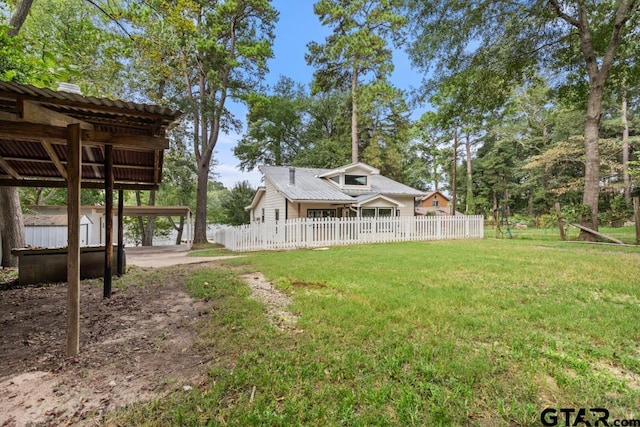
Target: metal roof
(33,126)
(307,185)
(310,186)
(43,220)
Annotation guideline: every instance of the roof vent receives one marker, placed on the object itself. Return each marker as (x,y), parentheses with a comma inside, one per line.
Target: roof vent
(292,176)
(69,87)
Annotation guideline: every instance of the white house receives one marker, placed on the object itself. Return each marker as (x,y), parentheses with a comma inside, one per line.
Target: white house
(355,190)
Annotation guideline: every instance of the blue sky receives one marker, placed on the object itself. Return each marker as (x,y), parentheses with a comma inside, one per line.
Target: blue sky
(297,26)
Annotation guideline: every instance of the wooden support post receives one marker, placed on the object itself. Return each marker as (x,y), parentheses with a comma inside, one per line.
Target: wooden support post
(108,216)
(636,217)
(74,172)
(563,236)
(120,233)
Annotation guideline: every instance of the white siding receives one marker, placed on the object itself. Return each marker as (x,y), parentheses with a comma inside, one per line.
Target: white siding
(255,212)
(408,202)
(272,201)
(55,236)
(292,210)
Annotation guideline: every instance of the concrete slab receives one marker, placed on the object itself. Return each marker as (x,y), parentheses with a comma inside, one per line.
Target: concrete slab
(164,256)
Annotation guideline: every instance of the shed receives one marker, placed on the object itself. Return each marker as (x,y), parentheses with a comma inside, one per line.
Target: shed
(61,139)
(50,231)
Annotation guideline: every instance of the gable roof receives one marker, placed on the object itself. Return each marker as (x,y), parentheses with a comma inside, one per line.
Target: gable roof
(310,186)
(43,220)
(365,198)
(349,168)
(432,193)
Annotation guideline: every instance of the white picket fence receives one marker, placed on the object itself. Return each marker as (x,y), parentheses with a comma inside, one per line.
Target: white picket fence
(315,232)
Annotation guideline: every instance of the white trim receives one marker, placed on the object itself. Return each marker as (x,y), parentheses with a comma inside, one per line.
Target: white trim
(256,198)
(376,197)
(345,169)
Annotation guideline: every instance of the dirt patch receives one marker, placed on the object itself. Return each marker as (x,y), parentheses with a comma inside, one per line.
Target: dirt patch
(275,302)
(308,285)
(138,345)
(631,379)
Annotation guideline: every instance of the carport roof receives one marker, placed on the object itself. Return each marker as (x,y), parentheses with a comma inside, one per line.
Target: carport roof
(33,138)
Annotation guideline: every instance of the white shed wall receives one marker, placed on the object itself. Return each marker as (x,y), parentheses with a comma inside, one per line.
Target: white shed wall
(53,236)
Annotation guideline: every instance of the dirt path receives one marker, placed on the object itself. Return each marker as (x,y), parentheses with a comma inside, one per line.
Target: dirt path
(138,345)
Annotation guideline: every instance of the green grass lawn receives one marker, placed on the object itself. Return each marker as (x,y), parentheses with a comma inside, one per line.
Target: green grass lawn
(483,332)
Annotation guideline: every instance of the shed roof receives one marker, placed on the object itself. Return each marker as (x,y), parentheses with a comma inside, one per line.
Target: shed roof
(35,154)
(42,220)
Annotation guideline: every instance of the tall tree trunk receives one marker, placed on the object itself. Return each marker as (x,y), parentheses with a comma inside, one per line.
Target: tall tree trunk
(200,229)
(496,216)
(470,207)
(19,16)
(11,220)
(454,183)
(141,228)
(11,224)
(598,72)
(179,228)
(148,241)
(354,116)
(592,157)
(625,148)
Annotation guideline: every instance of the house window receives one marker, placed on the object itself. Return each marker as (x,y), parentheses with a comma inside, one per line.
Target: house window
(277,214)
(321,213)
(355,180)
(335,179)
(368,212)
(262,215)
(435,203)
(376,212)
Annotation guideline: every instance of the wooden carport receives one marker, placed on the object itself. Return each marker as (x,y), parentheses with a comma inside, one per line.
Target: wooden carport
(62,139)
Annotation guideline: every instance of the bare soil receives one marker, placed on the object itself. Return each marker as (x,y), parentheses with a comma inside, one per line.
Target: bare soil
(138,345)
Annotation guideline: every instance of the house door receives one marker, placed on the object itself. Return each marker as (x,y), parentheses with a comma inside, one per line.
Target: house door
(84,234)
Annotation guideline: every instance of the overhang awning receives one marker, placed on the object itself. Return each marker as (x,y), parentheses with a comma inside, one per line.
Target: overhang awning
(33,138)
(61,139)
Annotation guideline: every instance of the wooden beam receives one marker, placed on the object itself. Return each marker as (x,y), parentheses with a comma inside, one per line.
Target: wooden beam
(58,135)
(56,183)
(54,157)
(108,228)
(74,170)
(597,233)
(10,170)
(138,141)
(63,162)
(35,113)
